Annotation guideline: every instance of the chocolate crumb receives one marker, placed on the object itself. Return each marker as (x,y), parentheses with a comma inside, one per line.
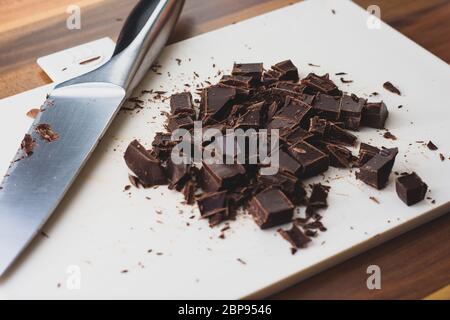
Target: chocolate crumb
(374,200)
(441,156)
(431,146)
(389,135)
(46,132)
(346,81)
(241,261)
(27,145)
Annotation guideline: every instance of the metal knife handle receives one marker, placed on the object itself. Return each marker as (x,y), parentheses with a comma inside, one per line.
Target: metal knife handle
(143,35)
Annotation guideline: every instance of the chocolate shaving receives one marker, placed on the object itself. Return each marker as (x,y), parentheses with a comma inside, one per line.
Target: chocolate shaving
(46,132)
(390,87)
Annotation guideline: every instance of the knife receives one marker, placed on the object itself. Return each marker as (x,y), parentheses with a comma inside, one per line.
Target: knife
(80,111)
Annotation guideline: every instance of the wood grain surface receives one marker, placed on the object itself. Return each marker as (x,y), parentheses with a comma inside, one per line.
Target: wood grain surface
(414,266)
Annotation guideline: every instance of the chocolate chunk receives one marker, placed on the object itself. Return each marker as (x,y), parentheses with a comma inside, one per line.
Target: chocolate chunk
(216,101)
(351,111)
(147,168)
(253,70)
(288,70)
(317,126)
(294,109)
(286,182)
(237,81)
(212,203)
(295,237)
(317,199)
(221,176)
(46,132)
(377,170)
(180,121)
(323,84)
(340,157)
(366,152)
(374,115)
(162,145)
(182,103)
(327,107)
(410,188)
(297,135)
(289,164)
(252,118)
(390,87)
(177,174)
(27,145)
(313,160)
(431,146)
(338,135)
(271,208)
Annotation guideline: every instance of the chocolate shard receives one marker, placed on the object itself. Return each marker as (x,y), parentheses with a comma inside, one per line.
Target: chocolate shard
(327,107)
(390,87)
(189,192)
(271,208)
(322,84)
(295,237)
(212,203)
(288,70)
(27,145)
(366,152)
(297,135)
(286,182)
(410,188)
(376,171)
(351,111)
(216,177)
(432,146)
(182,103)
(338,135)
(313,160)
(374,115)
(253,70)
(142,163)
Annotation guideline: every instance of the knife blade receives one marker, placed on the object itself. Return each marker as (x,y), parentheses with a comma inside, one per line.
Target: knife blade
(79,111)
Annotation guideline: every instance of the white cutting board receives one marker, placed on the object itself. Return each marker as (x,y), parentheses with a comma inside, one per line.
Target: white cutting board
(99,230)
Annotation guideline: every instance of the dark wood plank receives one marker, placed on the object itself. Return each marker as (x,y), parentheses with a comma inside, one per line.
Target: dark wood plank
(413,265)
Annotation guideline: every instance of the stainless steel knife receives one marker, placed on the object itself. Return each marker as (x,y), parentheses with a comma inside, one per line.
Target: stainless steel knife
(79,111)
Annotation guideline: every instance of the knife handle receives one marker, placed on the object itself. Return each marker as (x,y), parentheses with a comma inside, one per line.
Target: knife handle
(142,37)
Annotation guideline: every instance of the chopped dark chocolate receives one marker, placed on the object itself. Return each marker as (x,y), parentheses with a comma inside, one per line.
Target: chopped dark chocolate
(323,84)
(147,168)
(351,111)
(295,237)
(338,135)
(377,170)
(253,70)
(327,107)
(340,157)
(216,102)
(271,208)
(212,203)
(221,176)
(317,199)
(410,188)
(182,103)
(390,87)
(287,69)
(374,115)
(366,152)
(313,160)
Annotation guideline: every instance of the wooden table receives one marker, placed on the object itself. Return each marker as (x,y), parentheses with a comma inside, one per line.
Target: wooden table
(414,266)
